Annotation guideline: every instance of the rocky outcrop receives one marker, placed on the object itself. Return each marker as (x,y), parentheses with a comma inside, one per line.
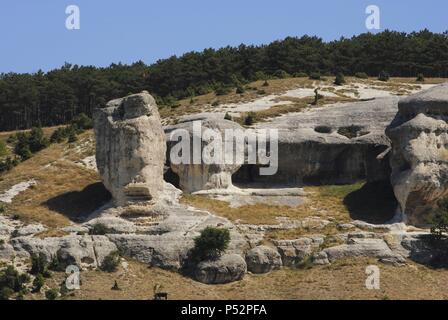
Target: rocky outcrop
(83,251)
(334,144)
(227,268)
(419,160)
(131,148)
(263,259)
(194,176)
(295,252)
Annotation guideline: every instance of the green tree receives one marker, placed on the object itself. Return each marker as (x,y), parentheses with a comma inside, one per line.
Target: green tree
(211,242)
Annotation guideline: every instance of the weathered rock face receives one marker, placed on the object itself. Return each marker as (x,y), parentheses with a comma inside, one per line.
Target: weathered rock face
(263,259)
(419,160)
(131,148)
(335,144)
(225,269)
(202,176)
(83,251)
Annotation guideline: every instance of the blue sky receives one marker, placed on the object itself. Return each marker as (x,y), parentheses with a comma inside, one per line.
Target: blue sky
(33,34)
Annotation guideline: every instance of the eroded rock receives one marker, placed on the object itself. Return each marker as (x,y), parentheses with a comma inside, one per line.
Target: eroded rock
(194,176)
(419,160)
(131,148)
(227,268)
(263,259)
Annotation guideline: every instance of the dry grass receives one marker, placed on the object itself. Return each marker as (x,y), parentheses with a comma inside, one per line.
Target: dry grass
(323,201)
(64,189)
(344,279)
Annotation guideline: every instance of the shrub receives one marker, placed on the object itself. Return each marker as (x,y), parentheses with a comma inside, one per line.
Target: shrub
(3,149)
(265,83)
(339,80)
(36,140)
(38,283)
(315,76)
(240,90)
(281,74)
(82,122)
(59,135)
(211,242)
(38,264)
(361,75)
(420,77)
(52,294)
(260,75)
(383,76)
(111,262)
(222,90)
(56,264)
(8,163)
(250,119)
(6,293)
(439,222)
(301,75)
(11,281)
(72,137)
(98,229)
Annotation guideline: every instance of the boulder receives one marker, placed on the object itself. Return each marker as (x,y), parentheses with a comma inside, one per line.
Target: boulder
(83,251)
(227,268)
(167,251)
(295,252)
(263,259)
(363,247)
(200,175)
(419,160)
(131,148)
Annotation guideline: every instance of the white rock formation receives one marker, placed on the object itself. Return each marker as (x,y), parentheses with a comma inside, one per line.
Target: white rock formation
(419,161)
(130,148)
(194,177)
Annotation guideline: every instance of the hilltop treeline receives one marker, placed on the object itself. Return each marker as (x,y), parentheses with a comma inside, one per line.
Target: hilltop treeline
(56,97)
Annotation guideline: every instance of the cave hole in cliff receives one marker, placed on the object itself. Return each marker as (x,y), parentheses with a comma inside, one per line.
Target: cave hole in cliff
(171,177)
(374,202)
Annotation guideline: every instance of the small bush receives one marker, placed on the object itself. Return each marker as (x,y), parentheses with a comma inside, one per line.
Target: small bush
(6,293)
(211,242)
(250,119)
(38,264)
(281,74)
(228,116)
(82,122)
(215,103)
(72,137)
(420,77)
(300,75)
(265,83)
(111,262)
(439,222)
(383,76)
(339,80)
(52,294)
(260,75)
(315,76)
(116,287)
(222,90)
(38,283)
(11,281)
(98,229)
(3,149)
(240,90)
(361,75)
